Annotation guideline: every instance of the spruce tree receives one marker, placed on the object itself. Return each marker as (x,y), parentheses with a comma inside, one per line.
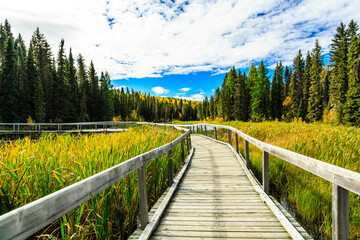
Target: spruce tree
(72,89)
(94,106)
(60,94)
(287,80)
(295,88)
(84,90)
(9,95)
(352,105)
(25,109)
(314,105)
(277,89)
(260,94)
(44,64)
(107,107)
(306,85)
(339,62)
(241,104)
(28,93)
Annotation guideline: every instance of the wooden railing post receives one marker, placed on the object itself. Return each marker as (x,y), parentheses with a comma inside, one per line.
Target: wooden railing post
(171,169)
(18,128)
(237,142)
(340,213)
(201,130)
(215,133)
(265,173)
(247,157)
(182,151)
(205,130)
(143,203)
(229,136)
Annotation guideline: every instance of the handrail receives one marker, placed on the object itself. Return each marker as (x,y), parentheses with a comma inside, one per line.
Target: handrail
(26,220)
(343,180)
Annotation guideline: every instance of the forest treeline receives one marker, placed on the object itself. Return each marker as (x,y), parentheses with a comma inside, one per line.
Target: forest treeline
(307,90)
(36,86)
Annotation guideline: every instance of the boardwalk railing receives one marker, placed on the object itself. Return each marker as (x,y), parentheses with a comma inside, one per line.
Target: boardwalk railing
(27,220)
(342,180)
(26,128)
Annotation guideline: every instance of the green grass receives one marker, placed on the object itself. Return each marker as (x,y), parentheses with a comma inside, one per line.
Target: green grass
(33,169)
(309,195)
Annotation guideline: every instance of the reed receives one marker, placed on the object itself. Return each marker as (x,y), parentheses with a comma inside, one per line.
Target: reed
(31,169)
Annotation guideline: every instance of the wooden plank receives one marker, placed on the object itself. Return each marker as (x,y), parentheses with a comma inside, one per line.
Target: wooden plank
(222,234)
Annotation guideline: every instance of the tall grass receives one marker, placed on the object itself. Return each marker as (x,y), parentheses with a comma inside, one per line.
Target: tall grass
(309,195)
(33,169)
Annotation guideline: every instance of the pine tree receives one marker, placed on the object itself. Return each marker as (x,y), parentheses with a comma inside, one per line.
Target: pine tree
(72,89)
(24,108)
(84,90)
(260,94)
(306,85)
(287,80)
(277,90)
(60,94)
(241,104)
(44,64)
(29,87)
(94,100)
(295,89)
(107,98)
(9,95)
(314,106)
(339,60)
(352,105)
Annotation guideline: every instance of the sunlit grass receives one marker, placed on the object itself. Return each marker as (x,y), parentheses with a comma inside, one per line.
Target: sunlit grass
(31,169)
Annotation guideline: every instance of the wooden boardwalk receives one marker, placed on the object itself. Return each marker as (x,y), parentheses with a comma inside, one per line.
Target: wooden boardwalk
(216,199)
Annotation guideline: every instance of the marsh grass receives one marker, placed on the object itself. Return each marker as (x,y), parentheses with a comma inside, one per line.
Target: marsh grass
(31,169)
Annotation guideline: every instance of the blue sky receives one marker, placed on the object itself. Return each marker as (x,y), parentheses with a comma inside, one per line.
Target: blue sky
(180,48)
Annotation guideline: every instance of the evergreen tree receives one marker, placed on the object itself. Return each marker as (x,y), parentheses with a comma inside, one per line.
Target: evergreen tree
(314,106)
(107,98)
(260,94)
(295,88)
(241,104)
(306,85)
(94,100)
(277,90)
(84,90)
(60,94)
(352,105)
(72,89)
(28,93)
(24,109)
(339,60)
(287,80)
(44,64)
(9,98)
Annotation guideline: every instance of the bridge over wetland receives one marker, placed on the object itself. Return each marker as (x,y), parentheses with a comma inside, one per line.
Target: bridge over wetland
(215,194)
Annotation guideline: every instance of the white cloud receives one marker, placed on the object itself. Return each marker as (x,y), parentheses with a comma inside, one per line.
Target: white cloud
(160,90)
(195,97)
(185,89)
(149,38)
